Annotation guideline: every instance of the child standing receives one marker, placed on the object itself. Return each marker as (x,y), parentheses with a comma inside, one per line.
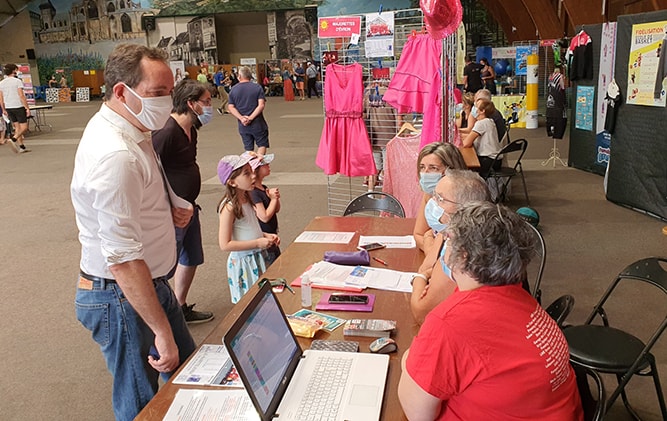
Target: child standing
(239,232)
(266,201)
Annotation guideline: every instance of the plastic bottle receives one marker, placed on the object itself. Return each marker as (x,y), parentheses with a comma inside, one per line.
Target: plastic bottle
(306,292)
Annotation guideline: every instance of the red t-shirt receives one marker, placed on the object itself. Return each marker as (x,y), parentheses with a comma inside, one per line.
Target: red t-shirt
(494,354)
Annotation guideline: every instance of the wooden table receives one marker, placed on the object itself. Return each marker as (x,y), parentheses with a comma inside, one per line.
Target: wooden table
(470,157)
(292,262)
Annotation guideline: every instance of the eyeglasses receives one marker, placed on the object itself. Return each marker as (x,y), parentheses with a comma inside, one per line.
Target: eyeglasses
(441,200)
(207,103)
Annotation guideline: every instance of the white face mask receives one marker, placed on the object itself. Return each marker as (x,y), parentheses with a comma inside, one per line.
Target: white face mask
(154,110)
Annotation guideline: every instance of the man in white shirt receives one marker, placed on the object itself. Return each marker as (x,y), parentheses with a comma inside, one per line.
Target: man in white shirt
(15,106)
(311,72)
(126,229)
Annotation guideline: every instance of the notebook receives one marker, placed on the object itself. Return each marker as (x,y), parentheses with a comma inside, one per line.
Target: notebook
(281,378)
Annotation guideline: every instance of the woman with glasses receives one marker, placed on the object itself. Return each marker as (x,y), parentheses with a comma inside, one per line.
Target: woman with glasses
(432,162)
(176,144)
(433,283)
(488,352)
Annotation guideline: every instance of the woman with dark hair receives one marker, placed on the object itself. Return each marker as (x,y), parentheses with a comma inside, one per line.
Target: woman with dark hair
(488,75)
(489,351)
(484,136)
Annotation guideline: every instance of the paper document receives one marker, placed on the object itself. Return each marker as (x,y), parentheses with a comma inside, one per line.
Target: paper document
(211,365)
(332,237)
(391,241)
(327,274)
(200,405)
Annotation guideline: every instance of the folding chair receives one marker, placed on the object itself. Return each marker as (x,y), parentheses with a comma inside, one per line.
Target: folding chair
(610,350)
(374,203)
(560,309)
(593,405)
(536,267)
(504,175)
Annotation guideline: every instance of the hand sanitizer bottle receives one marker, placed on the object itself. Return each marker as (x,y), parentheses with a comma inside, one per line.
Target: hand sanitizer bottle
(306,292)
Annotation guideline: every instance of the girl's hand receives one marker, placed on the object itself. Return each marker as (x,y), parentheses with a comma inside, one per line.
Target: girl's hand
(273,193)
(264,242)
(274,238)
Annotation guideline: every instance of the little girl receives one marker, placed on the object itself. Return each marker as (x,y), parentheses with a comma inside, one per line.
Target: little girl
(240,233)
(266,201)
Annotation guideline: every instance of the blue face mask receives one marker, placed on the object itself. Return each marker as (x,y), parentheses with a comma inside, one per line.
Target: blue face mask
(474,111)
(433,213)
(206,115)
(444,266)
(428,181)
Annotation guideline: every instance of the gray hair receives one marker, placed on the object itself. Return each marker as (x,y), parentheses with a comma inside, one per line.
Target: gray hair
(483,94)
(490,243)
(469,186)
(245,73)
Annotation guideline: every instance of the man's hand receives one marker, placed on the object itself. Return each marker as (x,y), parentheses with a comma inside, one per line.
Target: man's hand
(168,351)
(182,216)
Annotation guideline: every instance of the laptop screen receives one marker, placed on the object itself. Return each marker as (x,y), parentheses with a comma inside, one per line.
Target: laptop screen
(264,350)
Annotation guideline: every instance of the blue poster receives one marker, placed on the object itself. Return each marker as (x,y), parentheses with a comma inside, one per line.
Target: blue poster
(522,53)
(603,145)
(584,108)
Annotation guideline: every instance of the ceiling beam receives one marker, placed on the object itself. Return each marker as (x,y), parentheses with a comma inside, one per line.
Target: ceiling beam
(516,14)
(545,19)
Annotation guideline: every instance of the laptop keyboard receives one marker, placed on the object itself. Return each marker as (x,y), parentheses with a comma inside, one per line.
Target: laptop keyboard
(325,389)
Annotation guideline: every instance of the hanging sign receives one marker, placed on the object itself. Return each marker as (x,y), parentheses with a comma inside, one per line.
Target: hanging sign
(339,26)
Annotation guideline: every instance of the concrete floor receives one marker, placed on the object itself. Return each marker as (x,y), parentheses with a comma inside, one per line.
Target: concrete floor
(52,369)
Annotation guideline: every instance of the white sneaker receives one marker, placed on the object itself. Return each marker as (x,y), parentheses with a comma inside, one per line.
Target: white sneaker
(15,146)
(24,150)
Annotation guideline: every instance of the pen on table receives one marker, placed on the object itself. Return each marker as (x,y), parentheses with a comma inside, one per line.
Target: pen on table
(289,288)
(380,261)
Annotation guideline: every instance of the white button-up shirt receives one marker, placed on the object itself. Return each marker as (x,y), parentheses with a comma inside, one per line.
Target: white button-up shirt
(119,197)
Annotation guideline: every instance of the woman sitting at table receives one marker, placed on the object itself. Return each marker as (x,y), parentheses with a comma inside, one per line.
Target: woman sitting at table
(489,352)
(432,162)
(465,121)
(484,136)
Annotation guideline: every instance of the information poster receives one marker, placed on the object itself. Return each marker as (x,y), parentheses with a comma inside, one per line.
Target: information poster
(606,75)
(522,53)
(26,78)
(380,34)
(584,108)
(647,65)
(339,27)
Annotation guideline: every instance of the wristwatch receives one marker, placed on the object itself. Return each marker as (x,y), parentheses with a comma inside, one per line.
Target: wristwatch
(418,275)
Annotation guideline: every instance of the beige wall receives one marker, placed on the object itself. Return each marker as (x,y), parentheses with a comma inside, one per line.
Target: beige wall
(253,40)
(17,36)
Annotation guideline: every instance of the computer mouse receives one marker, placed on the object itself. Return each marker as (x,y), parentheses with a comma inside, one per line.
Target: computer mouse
(383,346)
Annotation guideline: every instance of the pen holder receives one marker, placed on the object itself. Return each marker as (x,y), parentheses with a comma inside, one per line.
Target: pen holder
(349,258)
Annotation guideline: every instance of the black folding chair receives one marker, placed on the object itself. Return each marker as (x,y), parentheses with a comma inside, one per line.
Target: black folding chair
(593,404)
(610,350)
(374,204)
(535,269)
(560,309)
(503,176)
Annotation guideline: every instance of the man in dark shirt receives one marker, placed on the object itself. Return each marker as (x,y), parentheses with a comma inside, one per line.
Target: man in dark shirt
(246,103)
(472,78)
(176,145)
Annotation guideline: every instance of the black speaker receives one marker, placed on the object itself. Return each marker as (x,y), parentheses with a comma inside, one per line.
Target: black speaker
(30,53)
(148,23)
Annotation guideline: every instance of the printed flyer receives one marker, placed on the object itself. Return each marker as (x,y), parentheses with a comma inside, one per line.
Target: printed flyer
(647,67)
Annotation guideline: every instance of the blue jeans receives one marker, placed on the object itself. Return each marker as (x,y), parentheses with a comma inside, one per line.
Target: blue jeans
(188,242)
(125,340)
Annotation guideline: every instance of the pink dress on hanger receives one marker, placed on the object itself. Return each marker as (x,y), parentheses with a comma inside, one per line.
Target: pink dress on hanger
(344,145)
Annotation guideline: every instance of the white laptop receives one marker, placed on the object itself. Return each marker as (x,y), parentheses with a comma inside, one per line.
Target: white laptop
(280,378)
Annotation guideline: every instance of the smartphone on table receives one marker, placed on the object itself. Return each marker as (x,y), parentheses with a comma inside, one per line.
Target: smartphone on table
(348,299)
(372,246)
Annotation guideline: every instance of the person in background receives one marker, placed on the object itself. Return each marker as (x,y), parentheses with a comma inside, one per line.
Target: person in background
(15,106)
(311,72)
(299,74)
(239,232)
(178,76)
(201,77)
(246,103)
(489,351)
(234,78)
(433,284)
(176,145)
(433,160)
(484,137)
(472,79)
(266,202)
(52,82)
(63,81)
(288,86)
(497,116)
(488,76)
(126,229)
(219,81)
(466,120)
